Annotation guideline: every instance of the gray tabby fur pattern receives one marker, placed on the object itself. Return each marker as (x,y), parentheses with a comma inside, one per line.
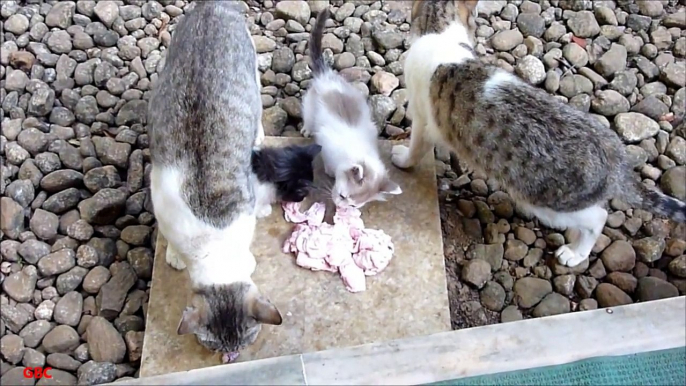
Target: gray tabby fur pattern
(557,163)
(204,118)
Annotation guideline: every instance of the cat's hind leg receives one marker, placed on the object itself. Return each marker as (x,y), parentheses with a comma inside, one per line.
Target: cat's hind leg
(420,143)
(174,258)
(589,222)
(259,138)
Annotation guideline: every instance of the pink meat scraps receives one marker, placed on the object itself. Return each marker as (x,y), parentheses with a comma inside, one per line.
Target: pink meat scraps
(346,246)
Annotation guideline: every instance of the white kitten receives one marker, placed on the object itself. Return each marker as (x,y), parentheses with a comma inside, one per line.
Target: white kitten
(337,115)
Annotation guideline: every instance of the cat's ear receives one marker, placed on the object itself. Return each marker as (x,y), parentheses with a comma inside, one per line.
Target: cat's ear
(190,321)
(313,150)
(390,187)
(356,173)
(265,312)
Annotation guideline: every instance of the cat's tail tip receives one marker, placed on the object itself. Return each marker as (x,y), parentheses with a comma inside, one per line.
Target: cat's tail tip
(316,52)
(662,204)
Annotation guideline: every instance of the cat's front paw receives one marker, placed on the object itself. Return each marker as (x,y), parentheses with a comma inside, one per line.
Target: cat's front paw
(567,256)
(263,211)
(306,132)
(400,156)
(259,139)
(174,259)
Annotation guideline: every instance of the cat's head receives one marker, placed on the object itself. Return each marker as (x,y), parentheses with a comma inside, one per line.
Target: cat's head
(289,168)
(227,318)
(435,16)
(359,184)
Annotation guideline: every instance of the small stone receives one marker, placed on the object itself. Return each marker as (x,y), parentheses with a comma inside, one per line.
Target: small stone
(387,38)
(60,14)
(624,281)
(263,44)
(95,279)
(492,296)
(20,285)
(112,295)
(634,127)
(609,295)
(382,107)
(63,361)
(584,25)
(612,61)
(531,69)
(676,150)
(141,260)
(507,40)
(576,55)
(673,182)
(652,288)
(61,339)
(44,224)
(585,285)
(588,304)
(649,249)
(530,291)
(531,24)
(610,103)
(34,332)
(17,24)
(384,83)
(68,309)
(12,348)
(552,304)
(510,314)
(80,230)
(515,250)
(57,262)
(134,343)
(104,207)
(293,10)
(674,74)
(526,235)
(12,217)
(619,256)
(476,272)
(107,12)
(105,344)
(564,284)
(491,253)
(274,120)
(95,373)
(33,358)
(283,60)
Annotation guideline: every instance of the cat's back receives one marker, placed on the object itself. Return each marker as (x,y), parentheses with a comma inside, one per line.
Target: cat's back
(204,111)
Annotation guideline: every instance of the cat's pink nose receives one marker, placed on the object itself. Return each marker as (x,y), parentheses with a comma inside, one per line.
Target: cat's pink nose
(229,357)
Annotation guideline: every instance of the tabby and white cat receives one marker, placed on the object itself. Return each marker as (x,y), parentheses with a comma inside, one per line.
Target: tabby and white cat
(558,163)
(204,120)
(337,115)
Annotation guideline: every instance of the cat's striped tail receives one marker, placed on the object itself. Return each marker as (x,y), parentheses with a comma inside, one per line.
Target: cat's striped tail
(659,203)
(318,64)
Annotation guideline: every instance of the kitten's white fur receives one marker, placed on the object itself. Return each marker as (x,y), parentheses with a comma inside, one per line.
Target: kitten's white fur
(212,255)
(342,146)
(265,196)
(425,55)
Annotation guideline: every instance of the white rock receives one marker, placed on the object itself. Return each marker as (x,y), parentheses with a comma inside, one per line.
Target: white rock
(635,127)
(531,69)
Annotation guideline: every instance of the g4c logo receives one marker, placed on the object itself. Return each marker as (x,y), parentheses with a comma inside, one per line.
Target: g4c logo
(37,372)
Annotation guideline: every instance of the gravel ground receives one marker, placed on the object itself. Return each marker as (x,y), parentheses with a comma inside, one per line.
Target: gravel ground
(77,226)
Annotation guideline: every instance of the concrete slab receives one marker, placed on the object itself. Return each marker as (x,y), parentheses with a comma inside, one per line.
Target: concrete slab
(408,299)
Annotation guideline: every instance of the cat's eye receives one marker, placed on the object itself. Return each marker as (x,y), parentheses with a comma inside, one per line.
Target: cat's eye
(342,197)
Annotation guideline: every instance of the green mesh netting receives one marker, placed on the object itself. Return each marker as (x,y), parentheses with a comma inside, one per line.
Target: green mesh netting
(667,367)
